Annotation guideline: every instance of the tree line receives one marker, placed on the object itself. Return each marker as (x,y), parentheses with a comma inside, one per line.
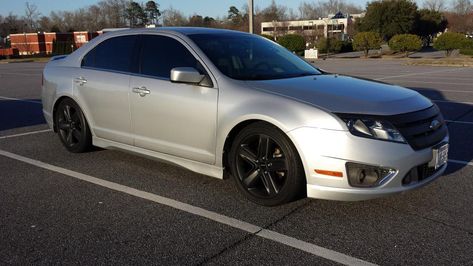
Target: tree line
(434,15)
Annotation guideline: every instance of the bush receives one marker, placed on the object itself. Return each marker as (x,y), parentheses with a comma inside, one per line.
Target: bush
(449,42)
(405,43)
(347,46)
(365,41)
(466,52)
(292,42)
(333,45)
(467,47)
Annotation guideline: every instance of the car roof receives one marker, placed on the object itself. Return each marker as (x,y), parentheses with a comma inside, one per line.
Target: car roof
(185,30)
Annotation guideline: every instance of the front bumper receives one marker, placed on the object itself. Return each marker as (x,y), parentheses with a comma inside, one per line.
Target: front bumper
(331,150)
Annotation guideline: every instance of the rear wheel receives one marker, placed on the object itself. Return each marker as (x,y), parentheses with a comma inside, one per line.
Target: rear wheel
(72,127)
(265,165)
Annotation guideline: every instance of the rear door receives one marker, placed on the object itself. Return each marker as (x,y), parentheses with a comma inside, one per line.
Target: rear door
(102,85)
(172,118)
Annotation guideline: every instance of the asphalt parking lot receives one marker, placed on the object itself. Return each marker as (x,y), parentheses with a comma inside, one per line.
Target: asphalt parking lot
(111,207)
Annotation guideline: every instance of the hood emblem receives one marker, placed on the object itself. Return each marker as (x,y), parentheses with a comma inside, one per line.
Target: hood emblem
(435,124)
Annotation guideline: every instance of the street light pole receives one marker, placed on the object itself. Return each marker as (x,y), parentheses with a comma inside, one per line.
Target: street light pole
(251,10)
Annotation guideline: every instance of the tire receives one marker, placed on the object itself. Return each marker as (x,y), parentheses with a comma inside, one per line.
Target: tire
(266,166)
(72,127)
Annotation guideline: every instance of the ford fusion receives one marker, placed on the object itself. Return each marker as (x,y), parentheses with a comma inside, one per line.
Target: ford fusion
(226,103)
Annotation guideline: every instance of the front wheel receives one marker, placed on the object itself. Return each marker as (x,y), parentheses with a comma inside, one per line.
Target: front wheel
(72,127)
(266,166)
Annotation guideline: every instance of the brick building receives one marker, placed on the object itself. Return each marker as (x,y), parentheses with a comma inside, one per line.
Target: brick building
(44,42)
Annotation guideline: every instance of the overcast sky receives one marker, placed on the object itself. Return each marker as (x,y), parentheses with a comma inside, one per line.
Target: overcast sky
(211,8)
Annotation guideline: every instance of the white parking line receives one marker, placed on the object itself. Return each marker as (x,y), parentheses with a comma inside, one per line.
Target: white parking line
(421,73)
(428,82)
(235,223)
(461,162)
(21,100)
(25,134)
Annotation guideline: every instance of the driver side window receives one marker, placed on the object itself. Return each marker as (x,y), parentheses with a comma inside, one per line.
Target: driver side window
(160,54)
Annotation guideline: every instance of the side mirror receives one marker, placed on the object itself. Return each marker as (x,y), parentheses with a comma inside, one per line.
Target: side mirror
(187,75)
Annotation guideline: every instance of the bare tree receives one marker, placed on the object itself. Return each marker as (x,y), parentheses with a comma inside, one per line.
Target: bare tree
(434,5)
(173,17)
(319,9)
(31,16)
(462,7)
(309,10)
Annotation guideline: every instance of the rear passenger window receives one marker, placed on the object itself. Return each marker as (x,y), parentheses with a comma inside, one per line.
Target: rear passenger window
(160,54)
(112,54)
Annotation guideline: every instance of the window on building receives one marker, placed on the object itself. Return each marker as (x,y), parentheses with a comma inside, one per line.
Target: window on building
(295,27)
(268,28)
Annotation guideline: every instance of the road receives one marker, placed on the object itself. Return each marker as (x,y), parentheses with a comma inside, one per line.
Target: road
(111,207)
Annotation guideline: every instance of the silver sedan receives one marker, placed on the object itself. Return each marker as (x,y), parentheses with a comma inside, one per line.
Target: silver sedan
(218,101)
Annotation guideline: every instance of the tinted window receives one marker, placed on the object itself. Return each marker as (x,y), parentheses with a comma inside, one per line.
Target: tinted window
(160,54)
(112,54)
(249,57)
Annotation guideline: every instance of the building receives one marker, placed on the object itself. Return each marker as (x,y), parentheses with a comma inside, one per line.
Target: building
(334,26)
(49,42)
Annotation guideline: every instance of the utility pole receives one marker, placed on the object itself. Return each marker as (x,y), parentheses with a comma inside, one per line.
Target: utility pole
(250,11)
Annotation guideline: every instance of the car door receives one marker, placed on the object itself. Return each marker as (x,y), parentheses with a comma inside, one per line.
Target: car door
(172,118)
(103,85)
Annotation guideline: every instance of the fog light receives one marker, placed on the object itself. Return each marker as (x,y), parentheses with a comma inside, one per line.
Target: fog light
(360,175)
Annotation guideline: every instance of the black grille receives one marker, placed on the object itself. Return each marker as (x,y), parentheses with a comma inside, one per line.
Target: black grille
(418,174)
(416,128)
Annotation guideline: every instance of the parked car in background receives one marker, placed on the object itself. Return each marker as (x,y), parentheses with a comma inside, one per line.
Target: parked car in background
(219,101)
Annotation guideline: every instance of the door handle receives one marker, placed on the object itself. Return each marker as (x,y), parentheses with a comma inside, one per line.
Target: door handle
(143,91)
(80,80)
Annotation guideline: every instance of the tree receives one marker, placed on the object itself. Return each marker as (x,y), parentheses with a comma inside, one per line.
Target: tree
(459,22)
(31,16)
(405,43)
(196,21)
(390,17)
(274,12)
(173,17)
(292,42)
(152,12)
(462,7)
(319,9)
(135,14)
(434,5)
(429,23)
(449,42)
(365,41)
(234,15)
(327,45)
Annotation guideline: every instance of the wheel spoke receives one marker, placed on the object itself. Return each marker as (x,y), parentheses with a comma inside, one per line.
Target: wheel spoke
(69,137)
(252,177)
(64,126)
(277,164)
(76,134)
(248,155)
(269,184)
(263,146)
(67,112)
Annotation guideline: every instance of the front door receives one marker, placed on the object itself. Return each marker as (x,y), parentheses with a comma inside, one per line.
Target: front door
(176,119)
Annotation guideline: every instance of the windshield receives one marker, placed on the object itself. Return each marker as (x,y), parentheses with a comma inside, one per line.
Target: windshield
(249,57)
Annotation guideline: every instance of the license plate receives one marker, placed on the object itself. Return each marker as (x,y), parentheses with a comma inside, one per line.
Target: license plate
(440,156)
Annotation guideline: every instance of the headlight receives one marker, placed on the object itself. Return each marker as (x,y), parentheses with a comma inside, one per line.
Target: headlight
(375,129)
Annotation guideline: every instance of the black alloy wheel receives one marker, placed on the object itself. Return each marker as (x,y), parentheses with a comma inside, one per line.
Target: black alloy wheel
(72,127)
(266,166)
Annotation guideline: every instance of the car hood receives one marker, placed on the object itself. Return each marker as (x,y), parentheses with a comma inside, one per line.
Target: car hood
(344,94)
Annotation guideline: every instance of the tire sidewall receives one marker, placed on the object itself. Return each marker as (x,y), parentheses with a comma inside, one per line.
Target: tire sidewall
(295,176)
(86,139)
